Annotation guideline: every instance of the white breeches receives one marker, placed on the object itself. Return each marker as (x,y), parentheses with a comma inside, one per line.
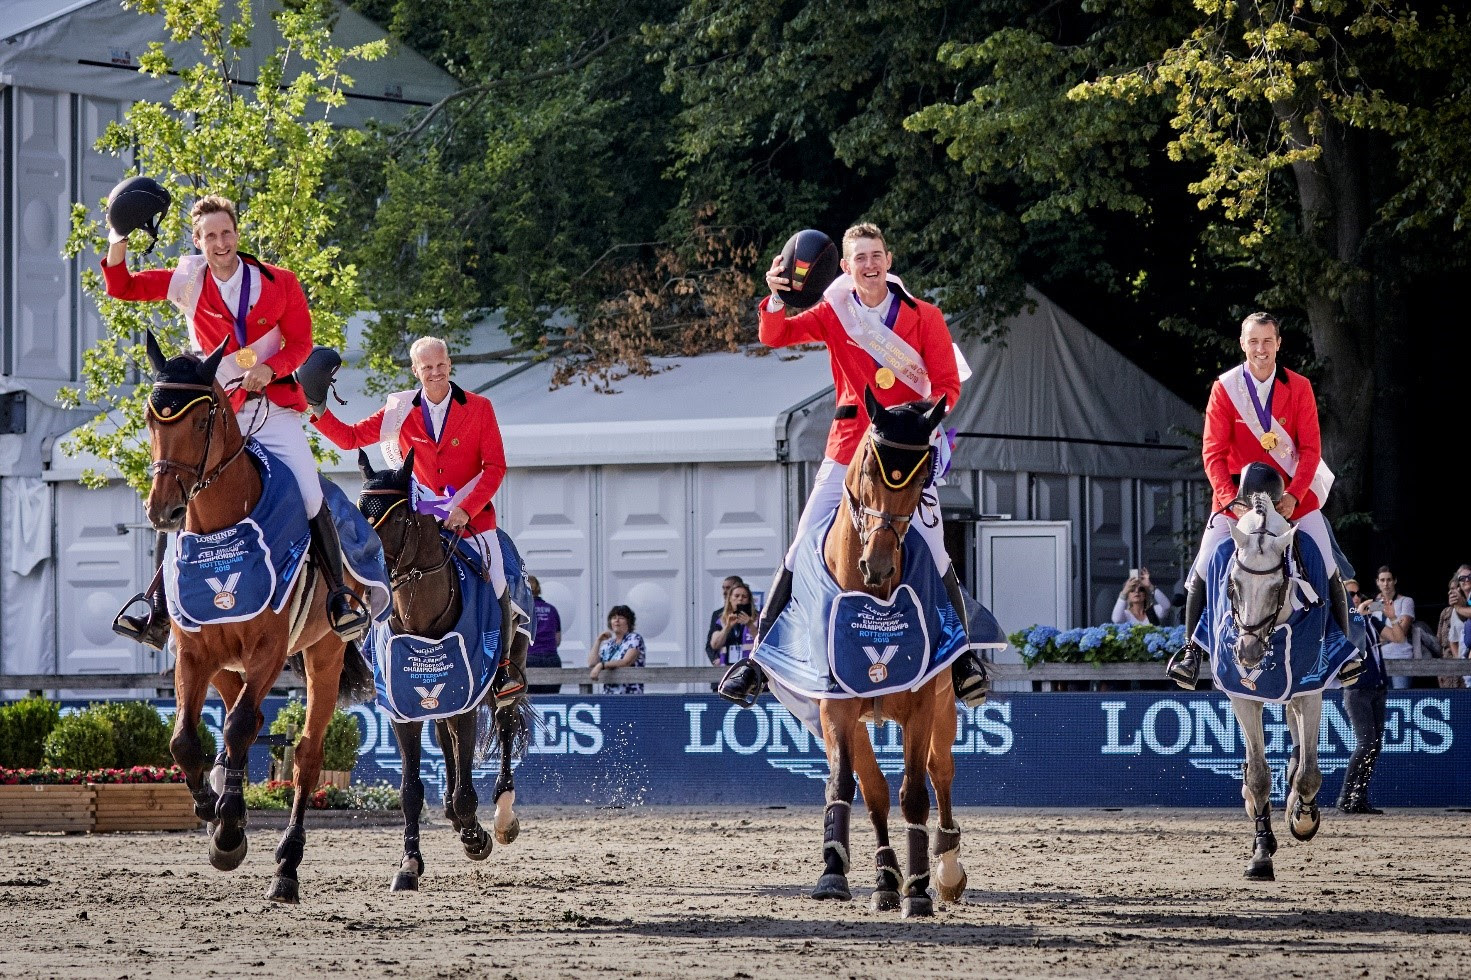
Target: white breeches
(488,547)
(1218,529)
(279,430)
(827,494)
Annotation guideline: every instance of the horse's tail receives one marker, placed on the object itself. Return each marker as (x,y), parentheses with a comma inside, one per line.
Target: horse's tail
(356,683)
(519,715)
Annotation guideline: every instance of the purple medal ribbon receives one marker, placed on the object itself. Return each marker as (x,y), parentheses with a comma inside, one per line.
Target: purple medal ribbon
(429,419)
(891,317)
(243,307)
(1263,414)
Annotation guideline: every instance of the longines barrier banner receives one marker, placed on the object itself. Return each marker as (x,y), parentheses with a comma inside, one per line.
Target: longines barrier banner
(1044,749)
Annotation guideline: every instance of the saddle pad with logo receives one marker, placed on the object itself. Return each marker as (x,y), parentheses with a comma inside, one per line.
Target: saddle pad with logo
(828,643)
(1306,651)
(420,678)
(232,575)
(362,552)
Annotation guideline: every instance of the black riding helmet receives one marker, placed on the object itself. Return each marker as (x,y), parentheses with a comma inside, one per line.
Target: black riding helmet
(138,202)
(1261,478)
(317,373)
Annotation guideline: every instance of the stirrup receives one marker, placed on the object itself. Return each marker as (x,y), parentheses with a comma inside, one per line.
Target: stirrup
(970,680)
(352,626)
(1351,671)
(742,683)
(1184,666)
(507,686)
(150,629)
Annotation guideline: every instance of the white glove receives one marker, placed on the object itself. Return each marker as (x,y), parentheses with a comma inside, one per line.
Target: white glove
(113,237)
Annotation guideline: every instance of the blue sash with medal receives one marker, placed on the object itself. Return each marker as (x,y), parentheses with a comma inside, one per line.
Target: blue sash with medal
(1306,651)
(828,643)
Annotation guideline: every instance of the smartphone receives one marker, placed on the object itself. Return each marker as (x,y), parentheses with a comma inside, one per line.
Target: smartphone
(1376,606)
(1133,573)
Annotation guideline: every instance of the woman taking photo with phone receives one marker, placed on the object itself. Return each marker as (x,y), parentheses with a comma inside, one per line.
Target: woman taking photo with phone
(737,632)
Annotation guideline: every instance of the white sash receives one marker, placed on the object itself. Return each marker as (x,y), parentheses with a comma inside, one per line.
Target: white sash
(186,286)
(1234,381)
(395,409)
(880,341)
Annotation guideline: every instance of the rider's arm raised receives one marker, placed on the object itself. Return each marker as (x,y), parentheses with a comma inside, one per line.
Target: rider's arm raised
(345,436)
(150,285)
(807,327)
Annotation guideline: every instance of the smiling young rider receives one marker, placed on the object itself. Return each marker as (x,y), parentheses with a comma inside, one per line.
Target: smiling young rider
(924,367)
(260,313)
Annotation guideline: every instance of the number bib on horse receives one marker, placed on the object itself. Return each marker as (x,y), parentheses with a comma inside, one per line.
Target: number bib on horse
(420,678)
(1306,651)
(234,574)
(833,644)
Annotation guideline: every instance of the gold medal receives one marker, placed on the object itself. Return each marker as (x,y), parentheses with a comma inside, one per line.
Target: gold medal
(245,357)
(1269,441)
(884,378)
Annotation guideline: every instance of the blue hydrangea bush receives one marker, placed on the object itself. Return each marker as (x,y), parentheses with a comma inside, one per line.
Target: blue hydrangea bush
(1109,644)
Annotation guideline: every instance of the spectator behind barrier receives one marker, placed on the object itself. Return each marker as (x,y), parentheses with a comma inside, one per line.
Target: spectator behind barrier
(1391,616)
(547,626)
(617,646)
(1152,606)
(1453,620)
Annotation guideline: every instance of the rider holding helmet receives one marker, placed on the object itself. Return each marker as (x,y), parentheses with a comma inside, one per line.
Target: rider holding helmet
(259,312)
(1261,422)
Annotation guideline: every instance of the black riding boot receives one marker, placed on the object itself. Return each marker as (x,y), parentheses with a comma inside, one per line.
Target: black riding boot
(1348,674)
(152,628)
(1184,666)
(968,672)
(345,611)
(745,680)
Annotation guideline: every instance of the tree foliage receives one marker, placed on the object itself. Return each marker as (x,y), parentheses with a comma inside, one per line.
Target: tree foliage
(264,142)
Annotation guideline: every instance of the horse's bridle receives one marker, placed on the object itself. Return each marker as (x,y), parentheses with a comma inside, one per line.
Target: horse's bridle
(896,523)
(169,415)
(411,576)
(1261,630)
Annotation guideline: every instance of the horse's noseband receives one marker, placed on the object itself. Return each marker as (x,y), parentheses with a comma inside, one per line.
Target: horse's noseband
(1262,629)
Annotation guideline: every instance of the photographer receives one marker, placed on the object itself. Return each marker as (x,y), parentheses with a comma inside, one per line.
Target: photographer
(737,632)
(1390,615)
(1141,601)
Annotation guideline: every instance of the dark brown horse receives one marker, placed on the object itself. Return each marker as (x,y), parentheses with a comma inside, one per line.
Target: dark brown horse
(864,553)
(203,482)
(427,602)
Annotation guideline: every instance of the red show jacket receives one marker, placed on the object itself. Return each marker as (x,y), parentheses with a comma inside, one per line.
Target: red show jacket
(922,326)
(470,444)
(281,304)
(1229,444)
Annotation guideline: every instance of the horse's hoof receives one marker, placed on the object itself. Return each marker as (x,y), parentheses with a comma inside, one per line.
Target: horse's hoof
(228,860)
(832,886)
(1260,871)
(284,890)
(952,893)
(1295,812)
(508,833)
(404,881)
(917,906)
(478,846)
(884,901)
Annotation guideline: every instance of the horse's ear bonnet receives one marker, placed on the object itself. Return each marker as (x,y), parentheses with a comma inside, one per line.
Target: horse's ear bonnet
(1261,478)
(810,261)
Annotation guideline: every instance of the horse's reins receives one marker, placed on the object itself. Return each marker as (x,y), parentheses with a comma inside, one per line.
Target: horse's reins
(413,575)
(201,479)
(896,523)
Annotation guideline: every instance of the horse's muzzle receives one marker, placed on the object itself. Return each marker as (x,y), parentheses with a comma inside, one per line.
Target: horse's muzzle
(167,517)
(1250,651)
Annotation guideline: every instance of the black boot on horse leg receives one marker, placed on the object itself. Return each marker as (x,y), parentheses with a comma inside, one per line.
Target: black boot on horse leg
(411,868)
(745,681)
(968,672)
(834,880)
(152,628)
(285,887)
(228,843)
(345,611)
(917,902)
(1184,666)
(1259,868)
(886,888)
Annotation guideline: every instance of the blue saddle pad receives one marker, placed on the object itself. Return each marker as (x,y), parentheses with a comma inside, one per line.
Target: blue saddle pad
(1306,651)
(234,574)
(876,646)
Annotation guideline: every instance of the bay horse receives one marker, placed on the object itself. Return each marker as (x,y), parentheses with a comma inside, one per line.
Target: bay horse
(1259,589)
(864,553)
(427,601)
(204,482)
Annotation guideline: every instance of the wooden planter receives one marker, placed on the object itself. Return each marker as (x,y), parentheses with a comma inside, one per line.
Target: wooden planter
(68,809)
(144,806)
(340,778)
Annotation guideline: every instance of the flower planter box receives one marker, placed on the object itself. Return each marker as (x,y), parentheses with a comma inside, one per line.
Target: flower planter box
(66,809)
(144,806)
(340,778)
